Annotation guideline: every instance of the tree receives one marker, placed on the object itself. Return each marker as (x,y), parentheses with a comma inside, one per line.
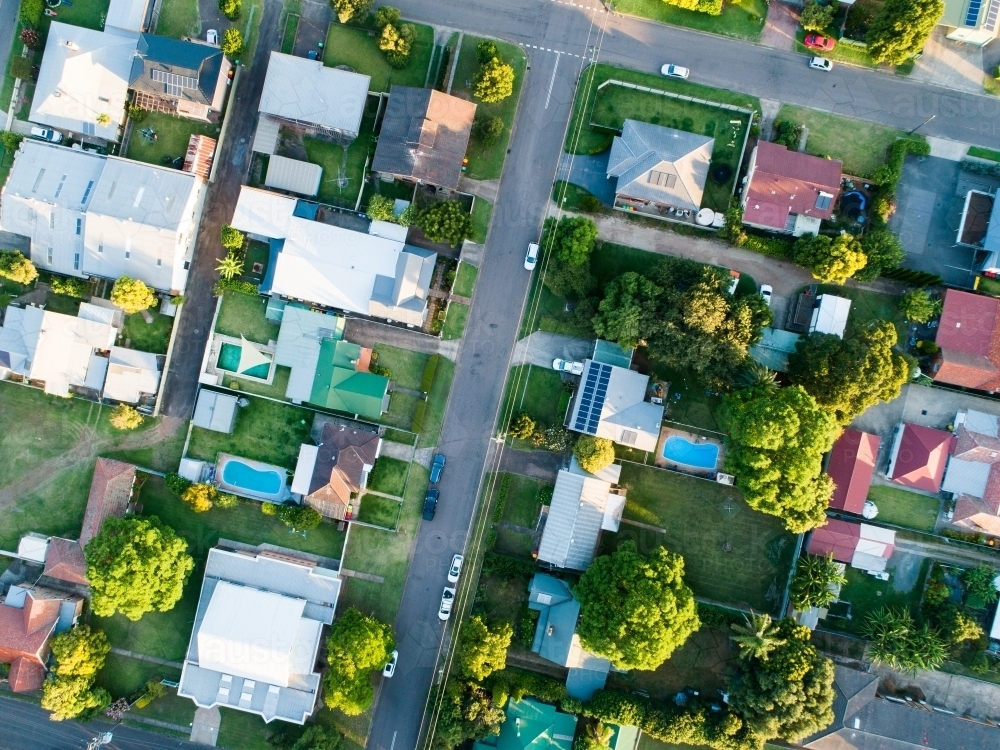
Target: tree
(732,229)
(70,697)
(232,238)
(756,637)
(396,43)
(628,313)
(231,8)
(132,295)
(301,517)
(595,736)
(386,16)
(126,417)
(380,208)
(10,139)
(445,221)
(523,427)
(483,651)
(777,438)
(486,50)
(357,645)
(30,13)
(901,28)
(570,281)
(230,267)
(958,627)
(69,286)
(816,17)
(68,692)
(468,711)
(30,38)
(883,251)
(488,130)
(979,582)
(755,374)
(898,642)
(833,261)
(200,497)
(594,453)
(136,565)
(232,43)
(574,239)
(348,9)
(15,267)
(635,610)
(816,578)
(494,81)
(318,737)
(918,306)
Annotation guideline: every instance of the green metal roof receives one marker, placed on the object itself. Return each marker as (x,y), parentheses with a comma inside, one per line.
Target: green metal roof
(339,386)
(609,353)
(531,725)
(774,347)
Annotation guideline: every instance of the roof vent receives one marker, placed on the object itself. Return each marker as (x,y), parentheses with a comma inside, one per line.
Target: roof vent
(958,325)
(72,45)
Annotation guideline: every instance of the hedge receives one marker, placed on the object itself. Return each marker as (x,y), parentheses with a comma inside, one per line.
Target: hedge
(418,417)
(520,683)
(430,369)
(910,276)
(502,566)
(718,618)
(501,498)
(978,167)
(887,177)
(235,285)
(776,247)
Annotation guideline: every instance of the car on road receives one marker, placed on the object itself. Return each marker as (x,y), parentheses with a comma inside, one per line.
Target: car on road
(447,602)
(675,71)
(531,259)
(456,568)
(47,134)
(815,41)
(390,669)
(212,37)
(820,63)
(430,504)
(437,467)
(561,365)
(766,291)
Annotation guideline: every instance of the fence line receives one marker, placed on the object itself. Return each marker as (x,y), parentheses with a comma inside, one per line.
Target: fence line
(672,95)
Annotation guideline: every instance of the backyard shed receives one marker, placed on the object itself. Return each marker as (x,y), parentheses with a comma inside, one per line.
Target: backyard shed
(830,315)
(215,411)
(293,175)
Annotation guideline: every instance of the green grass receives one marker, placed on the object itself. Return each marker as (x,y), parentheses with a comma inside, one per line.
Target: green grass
(984,153)
(379,510)
(62,303)
(700,517)
(276,389)
(696,407)
(454,324)
(402,409)
(465,280)
(845,53)
(486,162)
(437,401)
(743,19)
(991,85)
(501,599)
(866,594)
(178,18)
(122,675)
(169,708)
(173,134)
(389,476)
(406,366)
(482,210)
(149,337)
(536,391)
(867,306)
(256,252)
(265,431)
(249,24)
(288,39)
(242,731)
(569,194)
(514,543)
(907,509)
(243,315)
(987,285)
(861,146)
(356,48)
(330,156)
(522,506)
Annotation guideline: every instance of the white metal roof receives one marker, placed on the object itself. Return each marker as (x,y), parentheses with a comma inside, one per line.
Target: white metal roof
(304,468)
(263,213)
(131,373)
(625,416)
(215,411)
(830,315)
(33,547)
(293,175)
(127,15)
(574,523)
(299,340)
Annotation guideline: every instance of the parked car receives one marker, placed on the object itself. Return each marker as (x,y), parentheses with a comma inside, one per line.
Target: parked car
(436,468)
(531,259)
(675,71)
(47,134)
(766,291)
(430,504)
(447,602)
(390,669)
(815,41)
(575,368)
(212,36)
(820,63)
(456,568)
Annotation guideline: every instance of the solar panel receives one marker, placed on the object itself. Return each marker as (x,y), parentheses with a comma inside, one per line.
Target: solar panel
(173,83)
(973,14)
(823,201)
(595,390)
(991,16)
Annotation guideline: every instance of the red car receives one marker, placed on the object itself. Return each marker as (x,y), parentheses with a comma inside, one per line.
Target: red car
(815,41)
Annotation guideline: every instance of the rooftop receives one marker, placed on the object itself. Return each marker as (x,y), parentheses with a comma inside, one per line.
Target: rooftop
(852,466)
(969,338)
(331,475)
(110,492)
(610,402)
(861,545)
(784,182)
(185,70)
(531,725)
(919,456)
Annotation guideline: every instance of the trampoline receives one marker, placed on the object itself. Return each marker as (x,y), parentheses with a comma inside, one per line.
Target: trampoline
(852,204)
(721,173)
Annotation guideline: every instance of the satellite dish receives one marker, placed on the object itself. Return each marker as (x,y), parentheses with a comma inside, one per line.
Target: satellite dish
(870,510)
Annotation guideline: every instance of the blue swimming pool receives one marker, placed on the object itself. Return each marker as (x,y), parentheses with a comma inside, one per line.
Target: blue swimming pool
(683,451)
(237,474)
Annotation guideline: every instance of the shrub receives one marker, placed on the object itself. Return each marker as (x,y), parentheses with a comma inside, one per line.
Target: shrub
(231,8)
(22,67)
(200,497)
(523,427)
(234,285)
(589,204)
(300,517)
(488,129)
(176,483)
(486,51)
(232,43)
(30,38)
(594,453)
(445,221)
(502,566)
(430,370)
(125,417)
(132,295)
(816,17)
(380,208)
(269,509)
(385,16)
(917,306)
(232,238)
(501,501)
(776,247)
(788,134)
(494,82)
(30,13)
(10,140)
(396,43)
(136,113)
(15,267)
(226,500)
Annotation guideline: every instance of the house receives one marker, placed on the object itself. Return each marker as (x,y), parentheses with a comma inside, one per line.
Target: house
(611,403)
(374,273)
(774,348)
(29,616)
(531,725)
(215,411)
(918,456)
(662,166)
(270,603)
(331,476)
(132,375)
(973,473)
(55,351)
(183,78)
(861,545)
(424,136)
(972,22)
(969,341)
(583,504)
(556,639)
(787,191)
(127,15)
(293,175)
(852,466)
(865,720)
(830,315)
(93,215)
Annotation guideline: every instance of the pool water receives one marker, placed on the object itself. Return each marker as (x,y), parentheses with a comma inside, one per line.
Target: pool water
(238,474)
(683,451)
(229,360)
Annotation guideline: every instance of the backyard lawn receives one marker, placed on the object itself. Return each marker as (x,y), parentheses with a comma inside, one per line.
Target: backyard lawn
(523,502)
(743,19)
(243,315)
(454,324)
(866,593)
(907,509)
(867,306)
(178,18)
(407,366)
(123,675)
(356,48)
(148,337)
(330,156)
(465,280)
(389,476)
(482,210)
(172,136)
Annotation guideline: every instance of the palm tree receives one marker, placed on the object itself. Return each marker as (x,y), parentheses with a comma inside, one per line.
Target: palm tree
(755,374)
(596,735)
(816,579)
(757,638)
(230,267)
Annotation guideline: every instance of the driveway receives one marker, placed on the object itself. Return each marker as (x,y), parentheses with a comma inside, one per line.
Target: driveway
(945,63)
(962,695)
(590,172)
(314,21)
(781,27)
(541,347)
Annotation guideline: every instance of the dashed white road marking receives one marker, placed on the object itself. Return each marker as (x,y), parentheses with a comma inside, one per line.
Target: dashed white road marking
(599,9)
(546,49)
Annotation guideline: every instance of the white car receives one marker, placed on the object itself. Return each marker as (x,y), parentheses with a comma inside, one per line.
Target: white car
(447,602)
(47,134)
(390,669)
(820,63)
(212,37)
(531,259)
(675,71)
(766,291)
(456,568)
(561,365)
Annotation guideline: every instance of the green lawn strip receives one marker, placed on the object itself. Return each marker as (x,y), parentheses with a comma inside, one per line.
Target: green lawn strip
(743,19)
(123,675)
(148,337)
(522,505)
(249,24)
(62,303)
(867,306)
(288,39)
(437,401)
(569,194)
(696,406)
(398,436)
(276,389)
(240,730)
(845,53)
(482,210)
(330,156)
(984,153)
(55,508)
(486,162)
(243,315)
(514,543)
(454,324)
(169,708)
(402,409)
(866,594)
(378,510)
(700,517)
(388,476)
(178,18)
(907,509)
(465,281)
(172,136)
(553,317)
(406,366)
(989,286)
(265,431)
(7,90)
(536,391)
(356,48)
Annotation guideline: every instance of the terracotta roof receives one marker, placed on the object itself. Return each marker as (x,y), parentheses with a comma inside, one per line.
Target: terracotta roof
(922,457)
(839,538)
(110,491)
(339,471)
(25,631)
(973,513)
(198,159)
(969,338)
(852,465)
(64,560)
(26,675)
(788,182)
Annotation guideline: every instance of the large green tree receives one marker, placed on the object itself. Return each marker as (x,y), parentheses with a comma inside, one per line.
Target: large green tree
(846,376)
(918,306)
(777,438)
(635,610)
(627,314)
(445,221)
(831,260)
(979,582)
(17,268)
(594,453)
(357,646)
(68,691)
(901,28)
(756,637)
(883,251)
(898,641)
(136,565)
(483,650)
(494,81)
(574,239)
(815,580)
(132,295)
(468,711)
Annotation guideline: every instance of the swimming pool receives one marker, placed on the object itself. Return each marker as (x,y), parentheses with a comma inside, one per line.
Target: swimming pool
(229,360)
(682,451)
(253,479)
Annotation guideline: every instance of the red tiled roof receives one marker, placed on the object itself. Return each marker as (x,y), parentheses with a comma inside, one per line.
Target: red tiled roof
(837,537)
(64,560)
(26,674)
(922,457)
(969,338)
(110,492)
(972,513)
(852,465)
(785,182)
(16,639)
